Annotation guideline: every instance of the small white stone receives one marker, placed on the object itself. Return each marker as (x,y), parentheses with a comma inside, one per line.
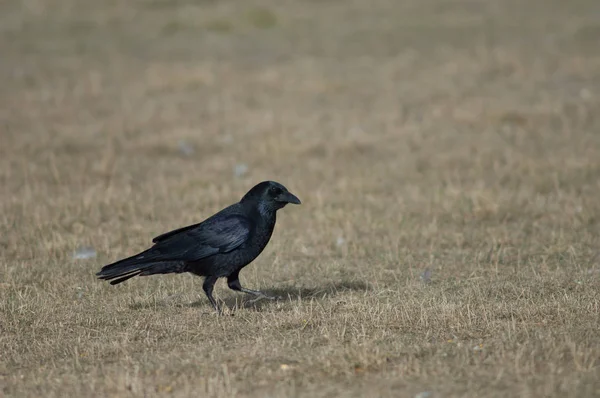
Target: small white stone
(426,276)
(240,170)
(424,394)
(186,148)
(84,253)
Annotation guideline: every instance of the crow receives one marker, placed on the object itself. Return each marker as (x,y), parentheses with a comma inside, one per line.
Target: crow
(218,247)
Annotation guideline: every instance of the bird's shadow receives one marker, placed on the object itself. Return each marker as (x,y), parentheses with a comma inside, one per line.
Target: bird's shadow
(240,300)
(287,294)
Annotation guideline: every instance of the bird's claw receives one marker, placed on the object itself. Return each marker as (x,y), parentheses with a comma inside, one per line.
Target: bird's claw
(263,296)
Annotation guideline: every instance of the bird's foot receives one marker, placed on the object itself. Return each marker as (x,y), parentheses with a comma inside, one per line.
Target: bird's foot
(260,295)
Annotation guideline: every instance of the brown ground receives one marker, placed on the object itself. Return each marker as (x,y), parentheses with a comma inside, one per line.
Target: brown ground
(460,137)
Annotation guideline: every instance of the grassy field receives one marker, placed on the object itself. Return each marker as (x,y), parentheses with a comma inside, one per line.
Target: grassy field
(447,154)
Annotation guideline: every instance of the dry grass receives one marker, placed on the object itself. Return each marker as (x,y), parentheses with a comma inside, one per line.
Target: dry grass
(456,136)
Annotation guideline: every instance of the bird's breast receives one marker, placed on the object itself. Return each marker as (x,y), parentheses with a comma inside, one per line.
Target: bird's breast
(260,238)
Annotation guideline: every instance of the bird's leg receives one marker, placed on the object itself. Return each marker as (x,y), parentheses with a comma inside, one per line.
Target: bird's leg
(208,285)
(233,281)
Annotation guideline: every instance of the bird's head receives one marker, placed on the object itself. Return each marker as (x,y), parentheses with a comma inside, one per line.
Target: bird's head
(270,195)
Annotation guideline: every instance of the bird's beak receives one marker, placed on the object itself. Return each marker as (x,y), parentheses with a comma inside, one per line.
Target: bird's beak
(287,197)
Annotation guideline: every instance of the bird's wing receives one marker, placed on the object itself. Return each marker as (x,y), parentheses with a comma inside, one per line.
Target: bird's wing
(174,232)
(218,234)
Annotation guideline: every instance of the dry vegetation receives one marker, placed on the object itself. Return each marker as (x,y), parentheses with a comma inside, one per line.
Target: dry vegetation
(460,137)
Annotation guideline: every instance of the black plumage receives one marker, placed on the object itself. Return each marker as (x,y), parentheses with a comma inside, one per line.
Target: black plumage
(219,246)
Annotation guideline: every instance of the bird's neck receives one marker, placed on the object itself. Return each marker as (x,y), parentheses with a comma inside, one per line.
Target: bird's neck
(266,211)
(265,224)
(266,218)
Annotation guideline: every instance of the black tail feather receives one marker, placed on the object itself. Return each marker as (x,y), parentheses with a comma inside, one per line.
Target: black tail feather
(127,268)
(124,278)
(124,266)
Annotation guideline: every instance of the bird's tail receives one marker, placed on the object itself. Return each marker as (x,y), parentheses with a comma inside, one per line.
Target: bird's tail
(127,268)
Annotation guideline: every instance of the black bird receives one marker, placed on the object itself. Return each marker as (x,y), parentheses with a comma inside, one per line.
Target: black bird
(219,246)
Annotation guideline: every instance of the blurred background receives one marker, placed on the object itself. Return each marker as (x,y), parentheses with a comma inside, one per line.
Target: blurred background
(381,109)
